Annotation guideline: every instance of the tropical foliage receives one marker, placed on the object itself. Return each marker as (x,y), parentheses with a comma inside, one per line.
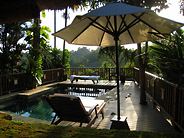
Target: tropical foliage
(102,57)
(84,56)
(10,46)
(158,4)
(167,58)
(57,56)
(126,56)
(24,47)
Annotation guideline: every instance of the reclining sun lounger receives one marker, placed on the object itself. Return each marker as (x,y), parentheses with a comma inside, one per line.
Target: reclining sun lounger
(75,77)
(75,109)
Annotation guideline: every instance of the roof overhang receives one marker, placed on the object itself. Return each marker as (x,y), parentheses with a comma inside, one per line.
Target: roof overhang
(17,10)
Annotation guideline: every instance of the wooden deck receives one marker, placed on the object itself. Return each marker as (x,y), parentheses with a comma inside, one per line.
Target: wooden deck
(88,84)
(139,117)
(28,94)
(41,90)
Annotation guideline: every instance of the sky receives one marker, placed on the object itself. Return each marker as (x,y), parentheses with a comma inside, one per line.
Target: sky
(172,13)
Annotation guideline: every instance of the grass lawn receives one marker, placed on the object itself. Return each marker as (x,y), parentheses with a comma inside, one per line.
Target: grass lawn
(17,129)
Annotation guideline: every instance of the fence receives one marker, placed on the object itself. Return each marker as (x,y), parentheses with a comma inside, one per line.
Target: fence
(53,75)
(104,73)
(16,82)
(169,96)
(11,83)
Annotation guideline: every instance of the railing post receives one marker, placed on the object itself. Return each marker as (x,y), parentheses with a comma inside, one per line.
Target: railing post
(52,75)
(174,112)
(154,88)
(134,74)
(109,74)
(1,85)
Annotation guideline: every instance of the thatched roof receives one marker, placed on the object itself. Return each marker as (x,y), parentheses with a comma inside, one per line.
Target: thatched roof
(17,10)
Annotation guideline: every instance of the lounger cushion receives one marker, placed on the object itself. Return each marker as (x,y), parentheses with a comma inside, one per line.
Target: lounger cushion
(72,77)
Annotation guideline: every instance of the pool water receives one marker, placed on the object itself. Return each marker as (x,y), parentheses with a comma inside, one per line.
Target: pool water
(39,108)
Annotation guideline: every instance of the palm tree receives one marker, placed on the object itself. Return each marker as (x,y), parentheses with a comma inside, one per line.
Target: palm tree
(54,28)
(66,17)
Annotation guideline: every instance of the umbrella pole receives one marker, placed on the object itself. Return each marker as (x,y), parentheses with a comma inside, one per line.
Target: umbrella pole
(116,39)
(117,80)
(119,122)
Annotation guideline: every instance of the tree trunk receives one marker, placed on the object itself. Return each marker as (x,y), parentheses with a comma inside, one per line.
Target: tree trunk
(54,28)
(36,38)
(66,16)
(35,53)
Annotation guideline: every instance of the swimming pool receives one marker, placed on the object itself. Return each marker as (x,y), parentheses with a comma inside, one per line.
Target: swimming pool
(39,108)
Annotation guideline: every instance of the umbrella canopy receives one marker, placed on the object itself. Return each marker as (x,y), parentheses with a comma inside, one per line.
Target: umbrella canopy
(133,25)
(117,24)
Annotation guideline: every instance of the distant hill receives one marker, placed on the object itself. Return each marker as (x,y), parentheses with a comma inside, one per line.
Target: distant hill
(84,56)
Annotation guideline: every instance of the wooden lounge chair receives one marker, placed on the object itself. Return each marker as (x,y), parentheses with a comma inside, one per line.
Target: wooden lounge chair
(72,108)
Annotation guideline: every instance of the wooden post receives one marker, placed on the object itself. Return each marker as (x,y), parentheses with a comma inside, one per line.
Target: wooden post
(141,76)
(1,85)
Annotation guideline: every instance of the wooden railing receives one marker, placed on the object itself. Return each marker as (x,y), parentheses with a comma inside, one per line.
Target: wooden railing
(167,95)
(11,83)
(53,75)
(104,73)
(16,82)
